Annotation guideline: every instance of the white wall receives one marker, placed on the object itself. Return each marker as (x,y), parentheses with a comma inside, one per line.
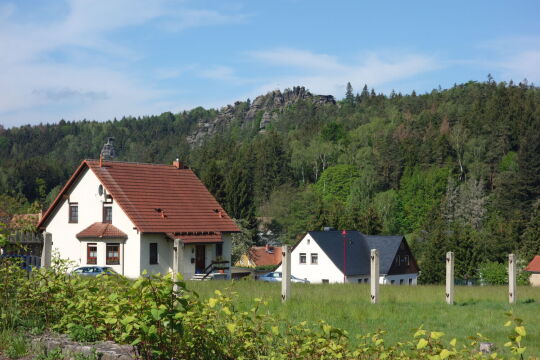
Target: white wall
(85,193)
(165,254)
(315,273)
(396,278)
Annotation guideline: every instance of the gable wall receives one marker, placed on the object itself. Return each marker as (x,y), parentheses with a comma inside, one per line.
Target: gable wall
(85,193)
(404,262)
(315,273)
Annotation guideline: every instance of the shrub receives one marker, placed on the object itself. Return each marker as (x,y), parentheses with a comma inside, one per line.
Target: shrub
(164,320)
(83,333)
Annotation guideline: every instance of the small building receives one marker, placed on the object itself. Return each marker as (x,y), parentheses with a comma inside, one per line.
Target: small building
(333,256)
(260,256)
(534,269)
(135,217)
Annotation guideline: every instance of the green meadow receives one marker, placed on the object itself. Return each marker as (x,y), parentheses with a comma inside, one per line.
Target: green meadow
(401,309)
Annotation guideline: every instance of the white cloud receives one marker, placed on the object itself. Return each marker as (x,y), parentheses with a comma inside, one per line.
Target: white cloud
(325,74)
(525,64)
(95,81)
(218,72)
(513,58)
(189,18)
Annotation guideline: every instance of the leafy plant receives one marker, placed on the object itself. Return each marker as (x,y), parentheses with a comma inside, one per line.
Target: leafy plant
(82,333)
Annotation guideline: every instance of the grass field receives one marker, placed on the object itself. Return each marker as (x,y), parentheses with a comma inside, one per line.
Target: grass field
(401,309)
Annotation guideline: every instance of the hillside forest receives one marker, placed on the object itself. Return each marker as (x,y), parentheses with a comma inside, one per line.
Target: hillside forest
(454,170)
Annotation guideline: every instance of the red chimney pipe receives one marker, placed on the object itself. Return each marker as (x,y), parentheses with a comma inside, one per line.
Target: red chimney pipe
(177,164)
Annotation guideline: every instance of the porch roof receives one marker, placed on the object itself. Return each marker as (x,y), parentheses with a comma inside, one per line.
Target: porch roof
(102,231)
(209,238)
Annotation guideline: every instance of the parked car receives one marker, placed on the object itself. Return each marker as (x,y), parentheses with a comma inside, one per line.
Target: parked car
(276,277)
(94,271)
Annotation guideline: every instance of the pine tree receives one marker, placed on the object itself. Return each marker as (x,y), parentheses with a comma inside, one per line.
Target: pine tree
(349,94)
(530,240)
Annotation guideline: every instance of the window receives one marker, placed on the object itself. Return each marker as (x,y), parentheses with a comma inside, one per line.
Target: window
(302,258)
(400,281)
(410,281)
(392,281)
(107,214)
(366,280)
(113,254)
(91,254)
(314,258)
(406,259)
(325,281)
(219,249)
(153,254)
(73,213)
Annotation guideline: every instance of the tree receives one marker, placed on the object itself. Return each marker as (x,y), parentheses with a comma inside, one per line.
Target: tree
(349,94)
(336,182)
(530,240)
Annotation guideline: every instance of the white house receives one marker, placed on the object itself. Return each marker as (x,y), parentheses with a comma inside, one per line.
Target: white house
(136,217)
(331,256)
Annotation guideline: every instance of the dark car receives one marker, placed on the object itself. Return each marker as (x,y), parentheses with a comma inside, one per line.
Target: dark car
(276,277)
(94,271)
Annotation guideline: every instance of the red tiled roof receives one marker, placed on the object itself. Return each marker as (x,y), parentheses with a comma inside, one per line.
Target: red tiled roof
(534,265)
(261,257)
(102,231)
(157,198)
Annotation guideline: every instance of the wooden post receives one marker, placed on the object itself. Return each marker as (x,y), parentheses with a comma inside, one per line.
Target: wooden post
(46,253)
(374,276)
(286,274)
(512,296)
(450,278)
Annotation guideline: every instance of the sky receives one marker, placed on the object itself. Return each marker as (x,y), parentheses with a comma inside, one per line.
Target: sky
(100,60)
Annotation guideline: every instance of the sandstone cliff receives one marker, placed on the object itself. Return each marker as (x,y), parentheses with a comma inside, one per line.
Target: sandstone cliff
(264,109)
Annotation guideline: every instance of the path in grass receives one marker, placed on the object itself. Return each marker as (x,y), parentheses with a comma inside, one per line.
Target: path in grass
(401,309)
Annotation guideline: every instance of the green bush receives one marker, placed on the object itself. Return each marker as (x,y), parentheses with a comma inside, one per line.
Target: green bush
(165,320)
(82,333)
(494,273)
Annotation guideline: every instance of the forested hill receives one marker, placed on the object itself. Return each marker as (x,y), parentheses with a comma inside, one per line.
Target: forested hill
(455,169)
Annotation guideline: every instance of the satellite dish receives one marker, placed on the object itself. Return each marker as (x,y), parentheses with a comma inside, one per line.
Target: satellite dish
(100,190)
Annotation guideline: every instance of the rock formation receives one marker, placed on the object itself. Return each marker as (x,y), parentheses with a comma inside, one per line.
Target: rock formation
(265,109)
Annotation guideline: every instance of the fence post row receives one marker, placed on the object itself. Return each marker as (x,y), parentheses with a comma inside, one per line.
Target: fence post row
(512,296)
(286,273)
(374,276)
(449,278)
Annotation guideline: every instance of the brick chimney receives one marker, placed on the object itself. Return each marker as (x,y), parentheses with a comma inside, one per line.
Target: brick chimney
(178,164)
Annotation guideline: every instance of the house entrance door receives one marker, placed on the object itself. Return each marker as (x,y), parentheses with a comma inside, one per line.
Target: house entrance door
(200,256)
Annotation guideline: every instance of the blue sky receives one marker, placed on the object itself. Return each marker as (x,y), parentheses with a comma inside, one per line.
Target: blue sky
(93,59)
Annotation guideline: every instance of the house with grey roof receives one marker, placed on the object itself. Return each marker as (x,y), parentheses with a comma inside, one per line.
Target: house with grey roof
(333,256)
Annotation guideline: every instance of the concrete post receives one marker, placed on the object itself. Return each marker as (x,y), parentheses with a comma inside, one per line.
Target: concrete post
(512,296)
(374,276)
(46,253)
(450,278)
(286,273)
(178,257)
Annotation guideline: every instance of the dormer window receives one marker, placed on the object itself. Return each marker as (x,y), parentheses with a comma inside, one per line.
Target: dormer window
(73,213)
(107,214)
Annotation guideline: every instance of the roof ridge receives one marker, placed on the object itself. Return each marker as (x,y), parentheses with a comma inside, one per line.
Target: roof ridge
(131,162)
